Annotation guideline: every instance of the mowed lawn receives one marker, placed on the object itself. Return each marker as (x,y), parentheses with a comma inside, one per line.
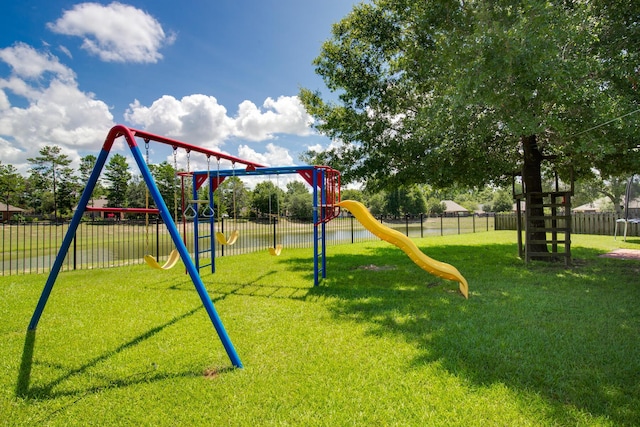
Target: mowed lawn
(380,342)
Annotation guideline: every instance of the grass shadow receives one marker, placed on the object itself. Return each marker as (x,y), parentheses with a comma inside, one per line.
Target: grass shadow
(570,335)
(24,375)
(46,391)
(260,286)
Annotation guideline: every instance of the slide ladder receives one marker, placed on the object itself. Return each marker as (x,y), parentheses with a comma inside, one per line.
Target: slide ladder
(430,265)
(201,249)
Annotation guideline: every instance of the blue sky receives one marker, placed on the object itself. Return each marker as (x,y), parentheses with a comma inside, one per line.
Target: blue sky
(219,73)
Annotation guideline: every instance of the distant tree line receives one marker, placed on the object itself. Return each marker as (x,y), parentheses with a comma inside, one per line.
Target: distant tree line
(52,189)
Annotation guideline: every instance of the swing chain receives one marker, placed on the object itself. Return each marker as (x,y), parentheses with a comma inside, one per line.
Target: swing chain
(175,183)
(208,211)
(146,201)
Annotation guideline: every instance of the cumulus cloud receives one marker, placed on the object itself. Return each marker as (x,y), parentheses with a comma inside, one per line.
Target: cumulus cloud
(199,118)
(4,101)
(56,112)
(274,155)
(28,63)
(284,115)
(115,32)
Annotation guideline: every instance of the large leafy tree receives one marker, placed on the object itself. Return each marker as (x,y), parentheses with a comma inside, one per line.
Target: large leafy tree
(449,92)
(469,92)
(53,167)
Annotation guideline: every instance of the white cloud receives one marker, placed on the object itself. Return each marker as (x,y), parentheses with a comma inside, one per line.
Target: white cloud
(28,63)
(334,143)
(284,115)
(4,101)
(66,51)
(274,155)
(11,155)
(198,119)
(115,32)
(201,120)
(316,147)
(57,112)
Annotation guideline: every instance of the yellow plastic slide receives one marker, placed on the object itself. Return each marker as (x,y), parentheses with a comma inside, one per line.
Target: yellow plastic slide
(430,265)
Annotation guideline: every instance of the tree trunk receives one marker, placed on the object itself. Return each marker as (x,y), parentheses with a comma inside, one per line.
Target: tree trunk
(532,179)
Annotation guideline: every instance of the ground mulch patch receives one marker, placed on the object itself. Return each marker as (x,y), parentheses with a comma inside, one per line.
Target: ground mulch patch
(623,254)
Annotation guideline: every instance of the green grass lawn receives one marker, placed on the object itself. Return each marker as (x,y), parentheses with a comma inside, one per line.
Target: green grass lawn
(380,342)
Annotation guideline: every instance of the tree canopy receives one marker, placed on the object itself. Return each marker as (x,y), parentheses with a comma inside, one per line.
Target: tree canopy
(448,92)
(53,168)
(118,175)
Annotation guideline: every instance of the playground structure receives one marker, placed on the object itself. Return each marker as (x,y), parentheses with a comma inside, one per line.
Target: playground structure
(325,183)
(317,176)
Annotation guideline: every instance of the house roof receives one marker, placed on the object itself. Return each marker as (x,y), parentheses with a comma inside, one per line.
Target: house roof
(3,208)
(588,207)
(452,206)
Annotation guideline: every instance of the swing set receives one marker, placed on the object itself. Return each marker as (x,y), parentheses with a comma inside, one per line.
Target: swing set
(324,181)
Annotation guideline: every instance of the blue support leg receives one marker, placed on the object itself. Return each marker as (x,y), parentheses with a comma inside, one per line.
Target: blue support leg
(186,258)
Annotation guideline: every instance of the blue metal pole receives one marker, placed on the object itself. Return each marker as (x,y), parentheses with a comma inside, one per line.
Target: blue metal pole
(212,218)
(196,222)
(323,195)
(186,258)
(71,231)
(316,267)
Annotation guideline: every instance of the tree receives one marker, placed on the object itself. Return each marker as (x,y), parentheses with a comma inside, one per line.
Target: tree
(51,165)
(136,195)
(299,201)
(36,194)
(164,175)
(87,163)
(266,198)
(68,191)
(435,207)
(448,92)
(11,184)
(233,197)
(613,188)
(352,194)
(118,175)
(502,202)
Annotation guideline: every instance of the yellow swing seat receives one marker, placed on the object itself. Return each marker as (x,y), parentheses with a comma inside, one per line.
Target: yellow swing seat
(276,251)
(222,239)
(174,256)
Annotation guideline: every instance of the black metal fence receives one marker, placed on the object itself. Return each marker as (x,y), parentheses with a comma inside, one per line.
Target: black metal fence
(32,247)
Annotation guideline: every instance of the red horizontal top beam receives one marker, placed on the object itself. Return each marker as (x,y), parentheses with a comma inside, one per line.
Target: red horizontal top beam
(125,210)
(130,134)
